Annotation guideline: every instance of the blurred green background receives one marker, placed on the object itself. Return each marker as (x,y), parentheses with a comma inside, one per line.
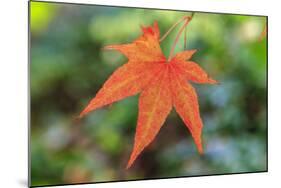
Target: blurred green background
(68,67)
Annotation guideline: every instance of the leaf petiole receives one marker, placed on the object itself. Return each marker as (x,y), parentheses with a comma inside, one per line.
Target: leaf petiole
(187,20)
(172,27)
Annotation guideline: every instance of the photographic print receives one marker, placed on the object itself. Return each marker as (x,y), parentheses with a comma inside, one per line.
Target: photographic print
(128,93)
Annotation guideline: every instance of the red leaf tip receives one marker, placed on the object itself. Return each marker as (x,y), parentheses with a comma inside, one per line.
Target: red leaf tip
(151,30)
(212,81)
(200,150)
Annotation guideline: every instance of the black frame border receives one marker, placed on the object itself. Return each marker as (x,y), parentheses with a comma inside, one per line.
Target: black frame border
(154,178)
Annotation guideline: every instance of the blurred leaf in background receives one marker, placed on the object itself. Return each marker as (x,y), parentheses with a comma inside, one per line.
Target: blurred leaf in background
(68,67)
(40,16)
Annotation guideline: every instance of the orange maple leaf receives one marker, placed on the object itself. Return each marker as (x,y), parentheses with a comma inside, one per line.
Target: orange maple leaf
(162,83)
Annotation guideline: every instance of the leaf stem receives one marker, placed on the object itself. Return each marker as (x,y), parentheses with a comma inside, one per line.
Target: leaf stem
(187,20)
(173,26)
(184,45)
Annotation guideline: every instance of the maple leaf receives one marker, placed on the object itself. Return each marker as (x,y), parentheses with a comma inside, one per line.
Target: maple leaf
(162,84)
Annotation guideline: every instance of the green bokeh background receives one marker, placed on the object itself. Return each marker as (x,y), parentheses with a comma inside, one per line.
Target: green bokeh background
(68,67)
